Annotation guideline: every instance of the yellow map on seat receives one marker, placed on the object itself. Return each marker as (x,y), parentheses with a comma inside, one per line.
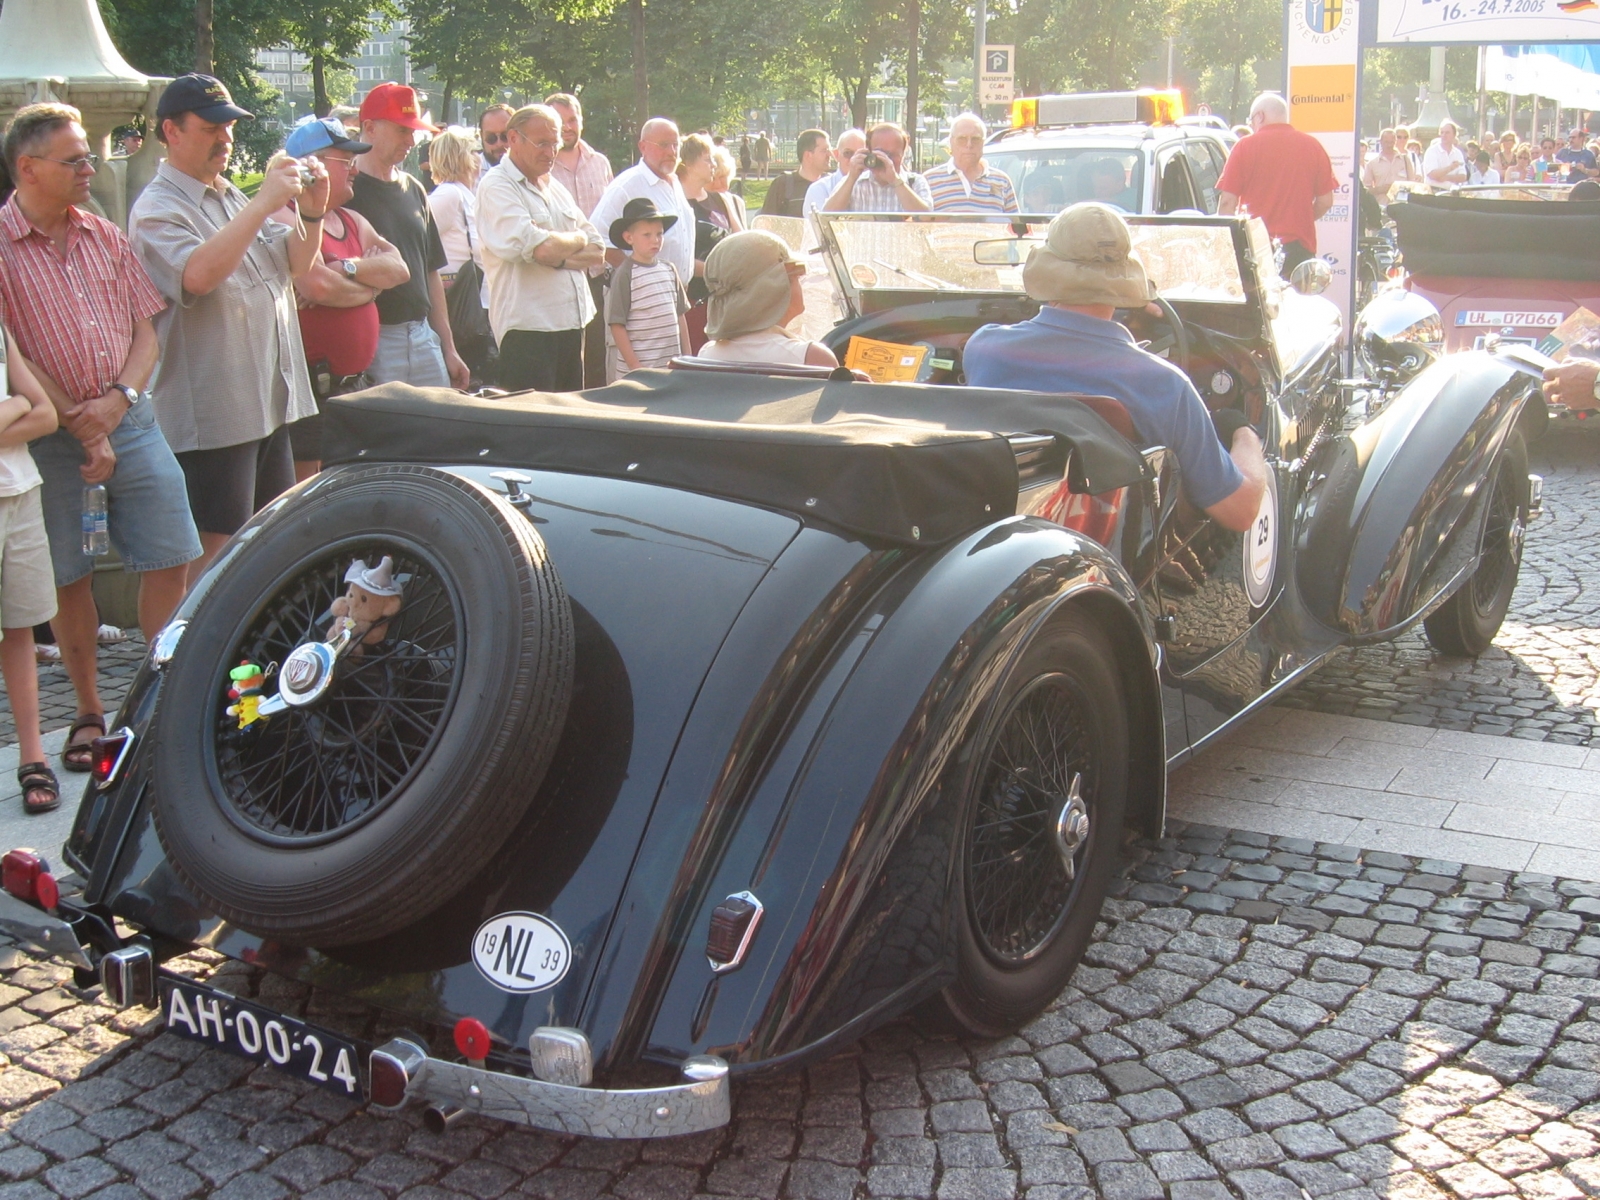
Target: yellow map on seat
(885,362)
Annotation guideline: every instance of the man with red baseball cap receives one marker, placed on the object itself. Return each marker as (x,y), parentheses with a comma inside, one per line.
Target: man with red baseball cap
(414,341)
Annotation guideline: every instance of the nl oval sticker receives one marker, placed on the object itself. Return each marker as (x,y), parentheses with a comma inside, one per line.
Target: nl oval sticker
(521,952)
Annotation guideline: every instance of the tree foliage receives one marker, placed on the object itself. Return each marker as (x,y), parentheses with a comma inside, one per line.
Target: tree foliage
(158,38)
(328,33)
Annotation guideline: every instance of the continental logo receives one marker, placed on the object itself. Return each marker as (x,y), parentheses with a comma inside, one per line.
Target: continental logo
(1327,98)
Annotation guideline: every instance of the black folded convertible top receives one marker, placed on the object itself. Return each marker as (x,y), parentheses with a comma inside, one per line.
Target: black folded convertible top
(910,463)
(1499,239)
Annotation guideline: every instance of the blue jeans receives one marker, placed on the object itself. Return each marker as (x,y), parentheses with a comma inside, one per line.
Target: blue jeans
(147,500)
(409,353)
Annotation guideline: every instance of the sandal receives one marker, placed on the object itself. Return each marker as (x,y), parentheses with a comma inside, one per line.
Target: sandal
(78,755)
(36,778)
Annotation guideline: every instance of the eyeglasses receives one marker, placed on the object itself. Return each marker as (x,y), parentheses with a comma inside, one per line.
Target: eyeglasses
(493,139)
(543,144)
(92,161)
(673,145)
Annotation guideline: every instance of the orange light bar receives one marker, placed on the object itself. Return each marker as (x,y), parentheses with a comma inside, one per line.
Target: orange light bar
(1165,107)
(1024,113)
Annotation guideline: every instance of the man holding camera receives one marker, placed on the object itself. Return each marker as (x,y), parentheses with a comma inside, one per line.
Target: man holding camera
(232,376)
(872,180)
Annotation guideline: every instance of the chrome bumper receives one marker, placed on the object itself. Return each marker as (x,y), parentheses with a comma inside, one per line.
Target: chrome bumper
(39,929)
(702,1103)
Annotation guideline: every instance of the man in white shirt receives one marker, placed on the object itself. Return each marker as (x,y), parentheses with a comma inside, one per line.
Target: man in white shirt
(817,194)
(1445,163)
(537,249)
(653,176)
(872,179)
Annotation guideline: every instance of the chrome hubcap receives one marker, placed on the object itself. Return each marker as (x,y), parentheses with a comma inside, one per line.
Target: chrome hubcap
(1072,826)
(306,674)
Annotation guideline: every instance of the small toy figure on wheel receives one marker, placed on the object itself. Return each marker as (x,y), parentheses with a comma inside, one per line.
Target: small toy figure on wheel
(368,604)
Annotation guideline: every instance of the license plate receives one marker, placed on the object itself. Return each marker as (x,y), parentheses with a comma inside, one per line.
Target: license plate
(1514,318)
(261,1035)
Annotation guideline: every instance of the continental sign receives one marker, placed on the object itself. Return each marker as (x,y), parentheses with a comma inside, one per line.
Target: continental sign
(1322,98)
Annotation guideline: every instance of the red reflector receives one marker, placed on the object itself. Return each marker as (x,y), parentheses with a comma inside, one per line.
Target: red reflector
(27,876)
(107,752)
(388,1076)
(472,1038)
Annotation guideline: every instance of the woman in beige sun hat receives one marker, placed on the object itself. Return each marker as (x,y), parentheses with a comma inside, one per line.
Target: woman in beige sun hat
(754,283)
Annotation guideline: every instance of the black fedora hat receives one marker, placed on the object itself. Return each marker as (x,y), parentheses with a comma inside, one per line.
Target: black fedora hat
(642,208)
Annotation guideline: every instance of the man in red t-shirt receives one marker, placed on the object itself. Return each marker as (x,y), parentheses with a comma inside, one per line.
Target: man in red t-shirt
(1282,176)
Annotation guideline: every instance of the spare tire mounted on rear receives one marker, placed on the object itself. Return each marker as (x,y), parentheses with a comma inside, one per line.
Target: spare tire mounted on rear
(375,790)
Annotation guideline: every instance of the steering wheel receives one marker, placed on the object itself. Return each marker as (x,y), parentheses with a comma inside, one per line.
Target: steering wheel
(1173,341)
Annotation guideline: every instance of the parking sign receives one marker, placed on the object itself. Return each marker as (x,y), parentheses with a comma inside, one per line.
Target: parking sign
(998,80)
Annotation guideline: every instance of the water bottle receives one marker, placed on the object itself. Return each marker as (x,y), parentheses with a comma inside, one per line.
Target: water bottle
(96,537)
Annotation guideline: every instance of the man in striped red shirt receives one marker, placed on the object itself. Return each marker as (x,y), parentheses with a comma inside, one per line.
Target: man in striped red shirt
(79,305)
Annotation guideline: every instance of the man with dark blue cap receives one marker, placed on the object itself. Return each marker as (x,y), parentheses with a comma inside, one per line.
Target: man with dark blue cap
(233,370)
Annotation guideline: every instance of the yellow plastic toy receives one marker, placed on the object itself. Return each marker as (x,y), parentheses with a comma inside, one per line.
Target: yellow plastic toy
(246,693)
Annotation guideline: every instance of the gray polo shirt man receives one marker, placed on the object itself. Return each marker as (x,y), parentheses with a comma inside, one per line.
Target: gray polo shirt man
(233,367)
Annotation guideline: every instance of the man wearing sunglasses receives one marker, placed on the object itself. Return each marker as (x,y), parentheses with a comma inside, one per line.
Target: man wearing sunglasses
(492,136)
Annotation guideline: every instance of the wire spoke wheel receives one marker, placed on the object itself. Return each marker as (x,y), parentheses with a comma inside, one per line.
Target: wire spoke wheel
(1043,795)
(398,764)
(308,774)
(1019,882)
(1466,624)
(1502,541)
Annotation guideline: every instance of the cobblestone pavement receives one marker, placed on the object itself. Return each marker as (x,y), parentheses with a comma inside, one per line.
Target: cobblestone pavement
(1541,679)
(57,707)
(1257,1018)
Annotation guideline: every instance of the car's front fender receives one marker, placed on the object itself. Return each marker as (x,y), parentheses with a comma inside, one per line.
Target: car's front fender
(1392,517)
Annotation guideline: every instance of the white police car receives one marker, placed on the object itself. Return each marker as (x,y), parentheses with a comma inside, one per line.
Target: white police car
(1131,149)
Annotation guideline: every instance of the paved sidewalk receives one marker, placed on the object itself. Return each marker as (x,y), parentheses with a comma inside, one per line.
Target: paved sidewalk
(1439,793)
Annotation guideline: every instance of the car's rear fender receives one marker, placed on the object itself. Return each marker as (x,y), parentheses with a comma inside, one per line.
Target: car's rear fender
(846,837)
(1392,517)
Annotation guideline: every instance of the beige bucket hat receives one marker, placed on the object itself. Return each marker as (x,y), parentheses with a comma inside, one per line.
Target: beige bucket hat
(1087,258)
(747,275)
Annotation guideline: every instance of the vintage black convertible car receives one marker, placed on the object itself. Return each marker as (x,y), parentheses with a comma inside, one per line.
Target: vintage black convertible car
(698,724)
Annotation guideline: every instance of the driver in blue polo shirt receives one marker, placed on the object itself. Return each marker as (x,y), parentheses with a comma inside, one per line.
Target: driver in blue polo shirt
(1082,274)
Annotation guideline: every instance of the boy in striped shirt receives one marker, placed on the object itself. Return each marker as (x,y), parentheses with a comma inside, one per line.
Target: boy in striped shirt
(645,321)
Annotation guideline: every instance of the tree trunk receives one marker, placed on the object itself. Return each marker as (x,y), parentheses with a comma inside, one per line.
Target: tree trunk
(641,76)
(444,103)
(1233,96)
(319,85)
(913,68)
(204,41)
(858,101)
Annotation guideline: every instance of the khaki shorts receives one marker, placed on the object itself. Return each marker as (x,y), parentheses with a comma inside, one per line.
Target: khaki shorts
(27,580)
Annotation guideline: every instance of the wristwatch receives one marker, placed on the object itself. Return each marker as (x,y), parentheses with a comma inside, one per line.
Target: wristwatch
(1596,389)
(133,396)
(348,266)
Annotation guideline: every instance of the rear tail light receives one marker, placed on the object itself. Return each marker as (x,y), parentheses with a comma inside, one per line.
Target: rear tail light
(733,926)
(26,876)
(110,752)
(390,1069)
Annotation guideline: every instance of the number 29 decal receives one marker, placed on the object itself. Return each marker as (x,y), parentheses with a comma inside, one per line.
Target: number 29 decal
(521,952)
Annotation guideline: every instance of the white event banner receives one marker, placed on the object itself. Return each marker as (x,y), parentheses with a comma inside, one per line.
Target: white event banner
(1439,22)
(1322,51)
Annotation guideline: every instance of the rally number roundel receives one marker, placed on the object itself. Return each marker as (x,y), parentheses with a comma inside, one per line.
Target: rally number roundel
(1261,547)
(521,952)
